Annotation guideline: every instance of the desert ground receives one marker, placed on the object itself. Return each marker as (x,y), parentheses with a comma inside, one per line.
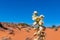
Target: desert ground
(26,32)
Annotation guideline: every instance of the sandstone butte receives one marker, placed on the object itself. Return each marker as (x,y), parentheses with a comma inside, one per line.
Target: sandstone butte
(26,33)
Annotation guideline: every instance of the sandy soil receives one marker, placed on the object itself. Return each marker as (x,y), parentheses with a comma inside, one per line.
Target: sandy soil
(25,34)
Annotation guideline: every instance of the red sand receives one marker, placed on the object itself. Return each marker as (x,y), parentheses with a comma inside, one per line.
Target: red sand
(51,34)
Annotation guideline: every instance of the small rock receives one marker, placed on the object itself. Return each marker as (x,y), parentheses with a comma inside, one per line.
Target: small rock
(6,38)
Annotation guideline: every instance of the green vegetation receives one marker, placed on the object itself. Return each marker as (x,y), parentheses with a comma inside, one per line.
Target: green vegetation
(56,28)
(53,26)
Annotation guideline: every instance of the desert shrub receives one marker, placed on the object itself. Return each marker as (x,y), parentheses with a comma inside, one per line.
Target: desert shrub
(53,26)
(23,24)
(56,29)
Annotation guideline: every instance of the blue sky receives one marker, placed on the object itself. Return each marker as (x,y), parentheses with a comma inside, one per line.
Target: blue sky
(21,11)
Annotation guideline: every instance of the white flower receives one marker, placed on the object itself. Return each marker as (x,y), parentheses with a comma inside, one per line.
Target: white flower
(41,15)
(35,11)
